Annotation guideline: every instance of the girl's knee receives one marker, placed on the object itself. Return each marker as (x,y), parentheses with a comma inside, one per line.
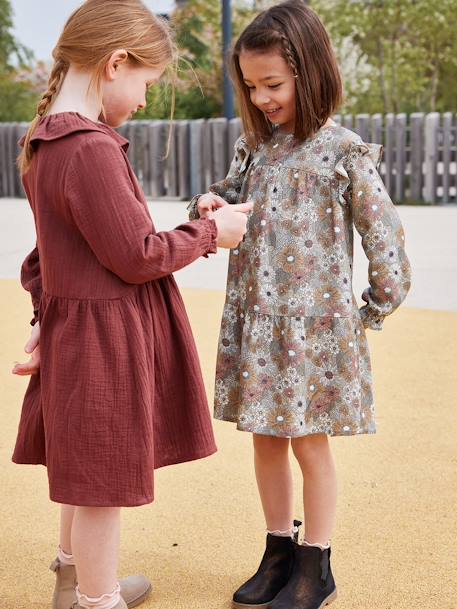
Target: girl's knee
(270,446)
(309,448)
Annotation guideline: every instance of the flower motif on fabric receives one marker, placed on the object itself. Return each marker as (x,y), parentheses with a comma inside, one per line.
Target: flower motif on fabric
(293,357)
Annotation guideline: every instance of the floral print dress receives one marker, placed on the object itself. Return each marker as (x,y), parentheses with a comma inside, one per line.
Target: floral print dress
(293,357)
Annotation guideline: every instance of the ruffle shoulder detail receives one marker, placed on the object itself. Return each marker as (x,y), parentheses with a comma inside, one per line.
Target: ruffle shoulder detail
(355,151)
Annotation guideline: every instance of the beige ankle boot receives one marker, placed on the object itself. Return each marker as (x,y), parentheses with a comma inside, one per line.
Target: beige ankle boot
(64,592)
(134,589)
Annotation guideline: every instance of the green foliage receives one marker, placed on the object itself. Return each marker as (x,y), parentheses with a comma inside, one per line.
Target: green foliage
(17,94)
(396,55)
(199,83)
(17,99)
(12,52)
(189,104)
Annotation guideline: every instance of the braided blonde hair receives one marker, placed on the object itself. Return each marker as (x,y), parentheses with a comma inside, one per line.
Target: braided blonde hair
(294,30)
(90,36)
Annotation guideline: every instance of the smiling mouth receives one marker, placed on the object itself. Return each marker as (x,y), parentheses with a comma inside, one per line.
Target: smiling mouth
(272,111)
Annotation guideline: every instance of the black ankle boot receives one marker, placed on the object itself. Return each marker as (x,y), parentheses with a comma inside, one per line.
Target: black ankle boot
(272,575)
(311,584)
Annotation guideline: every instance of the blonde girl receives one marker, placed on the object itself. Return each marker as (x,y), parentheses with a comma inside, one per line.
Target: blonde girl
(111,336)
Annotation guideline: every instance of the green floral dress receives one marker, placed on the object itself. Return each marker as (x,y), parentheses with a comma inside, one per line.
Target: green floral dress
(293,357)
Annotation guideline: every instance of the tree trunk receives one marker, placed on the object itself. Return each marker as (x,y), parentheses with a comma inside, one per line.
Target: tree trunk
(382,76)
(393,62)
(435,81)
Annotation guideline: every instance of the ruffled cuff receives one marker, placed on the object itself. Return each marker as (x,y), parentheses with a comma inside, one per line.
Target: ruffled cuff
(373,314)
(370,318)
(209,238)
(35,318)
(192,208)
(355,151)
(229,189)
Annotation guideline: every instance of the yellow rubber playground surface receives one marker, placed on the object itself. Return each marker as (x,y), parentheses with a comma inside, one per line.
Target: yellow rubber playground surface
(395,543)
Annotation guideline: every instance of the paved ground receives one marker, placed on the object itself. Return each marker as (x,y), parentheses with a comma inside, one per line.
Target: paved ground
(431,234)
(394,546)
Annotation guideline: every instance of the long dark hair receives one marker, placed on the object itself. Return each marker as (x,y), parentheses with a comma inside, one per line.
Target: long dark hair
(298,34)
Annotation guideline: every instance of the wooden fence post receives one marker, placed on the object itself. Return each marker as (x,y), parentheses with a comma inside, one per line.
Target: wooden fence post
(197,169)
(234,132)
(172,160)
(183,143)
(21,130)
(389,153)
(347,121)
(417,154)
(11,148)
(362,126)
(447,155)
(400,157)
(157,151)
(432,123)
(219,136)
(3,185)
(141,154)
(376,137)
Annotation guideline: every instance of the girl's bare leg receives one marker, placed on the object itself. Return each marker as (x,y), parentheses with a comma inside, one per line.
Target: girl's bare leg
(274,480)
(95,540)
(319,486)
(66,520)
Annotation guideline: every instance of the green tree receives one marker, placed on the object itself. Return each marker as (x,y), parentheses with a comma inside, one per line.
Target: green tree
(396,55)
(17,96)
(199,38)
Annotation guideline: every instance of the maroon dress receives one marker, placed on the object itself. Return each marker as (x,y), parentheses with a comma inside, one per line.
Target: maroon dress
(120,390)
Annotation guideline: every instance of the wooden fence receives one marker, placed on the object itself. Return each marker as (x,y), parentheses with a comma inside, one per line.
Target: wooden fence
(419,164)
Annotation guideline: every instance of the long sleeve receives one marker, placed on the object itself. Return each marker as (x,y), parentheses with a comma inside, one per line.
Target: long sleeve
(230,187)
(378,223)
(116,224)
(31,280)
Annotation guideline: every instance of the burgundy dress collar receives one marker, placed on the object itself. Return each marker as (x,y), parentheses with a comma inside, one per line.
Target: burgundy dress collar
(55,126)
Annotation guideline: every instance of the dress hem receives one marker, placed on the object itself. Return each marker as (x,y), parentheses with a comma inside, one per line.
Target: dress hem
(310,433)
(147,499)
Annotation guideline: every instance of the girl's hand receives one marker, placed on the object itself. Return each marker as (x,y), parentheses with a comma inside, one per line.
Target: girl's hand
(32,346)
(231,223)
(209,203)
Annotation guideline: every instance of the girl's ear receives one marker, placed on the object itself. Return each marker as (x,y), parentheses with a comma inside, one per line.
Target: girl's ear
(117,58)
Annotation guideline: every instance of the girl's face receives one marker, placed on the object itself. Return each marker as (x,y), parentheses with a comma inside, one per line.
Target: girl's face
(124,89)
(271,85)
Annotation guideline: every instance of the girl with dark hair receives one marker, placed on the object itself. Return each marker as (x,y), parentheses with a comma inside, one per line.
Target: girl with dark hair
(293,364)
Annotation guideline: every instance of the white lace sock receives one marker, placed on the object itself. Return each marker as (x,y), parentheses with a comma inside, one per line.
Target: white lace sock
(64,558)
(105,601)
(286,533)
(316,545)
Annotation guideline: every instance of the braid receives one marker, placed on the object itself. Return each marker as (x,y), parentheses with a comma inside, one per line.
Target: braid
(56,77)
(58,72)
(287,47)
